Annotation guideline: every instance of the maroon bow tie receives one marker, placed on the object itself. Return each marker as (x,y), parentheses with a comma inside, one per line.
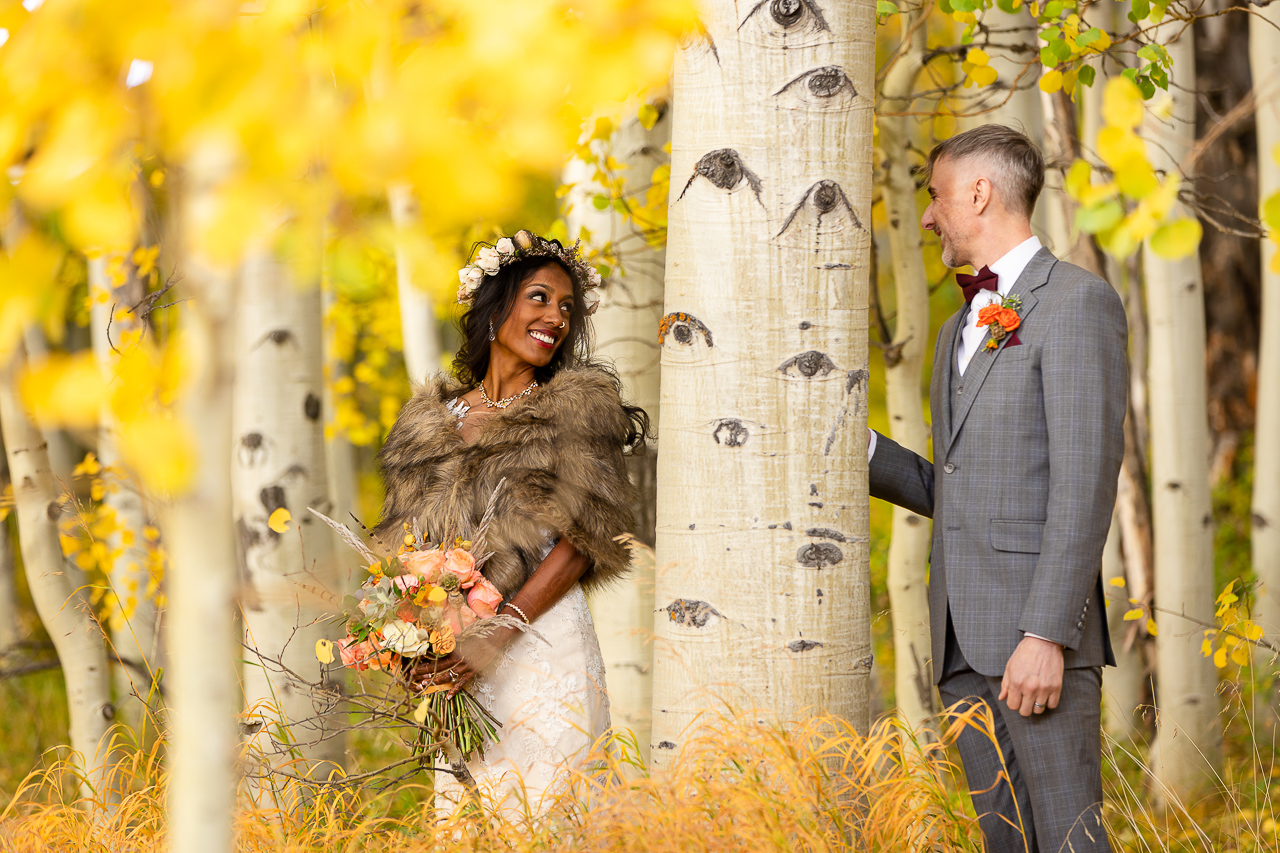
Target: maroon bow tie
(971,284)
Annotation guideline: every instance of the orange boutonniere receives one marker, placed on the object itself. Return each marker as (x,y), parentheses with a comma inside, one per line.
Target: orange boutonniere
(1002,319)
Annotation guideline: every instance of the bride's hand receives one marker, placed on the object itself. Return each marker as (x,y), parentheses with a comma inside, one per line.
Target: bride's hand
(461,665)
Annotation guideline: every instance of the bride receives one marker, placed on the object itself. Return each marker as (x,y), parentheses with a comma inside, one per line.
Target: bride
(529,406)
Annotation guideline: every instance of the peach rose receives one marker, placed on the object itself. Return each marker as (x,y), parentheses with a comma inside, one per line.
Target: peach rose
(424,564)
(362,655)
(484,598)
(458,615)
(461,564)
(1009,319)
(406,582)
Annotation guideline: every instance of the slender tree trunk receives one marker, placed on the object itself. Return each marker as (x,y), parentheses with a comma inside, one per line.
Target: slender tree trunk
(1061,149)
(419,329)
(904,363)
(340,453)
(762,588)
(137,639)
(61,449)
(202,631)
(10,612)
(1124,685)
(279,463)
(1264,56)
(58,589)
(1189,736)
(626,328)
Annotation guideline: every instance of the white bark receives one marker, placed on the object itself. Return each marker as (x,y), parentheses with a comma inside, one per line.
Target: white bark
(10,615)
(138,639)
(1123,685)
(904,362)
(57,586)
(279,462)
(626,328)
(1188,731)
(762,588)
(419,328)
(1264,58)
(202,631)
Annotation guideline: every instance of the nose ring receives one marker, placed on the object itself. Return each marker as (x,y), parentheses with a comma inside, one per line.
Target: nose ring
(563,323)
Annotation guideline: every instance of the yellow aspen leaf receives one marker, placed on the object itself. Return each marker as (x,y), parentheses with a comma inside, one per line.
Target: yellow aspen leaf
(977,56)
(151,533)
(1151,627)
(1220,658)
(1079,178)
(1122,103)
(1131,615)
(324,651)
(1051,81)
(1135,177)
(1116,144)
(1271,213)
(983,75)
(162,452)
(1117,582)
(1253,631)
(65,390)
(88,467)
(1177,239)
(279,520)
(1240,655)
(1206,647)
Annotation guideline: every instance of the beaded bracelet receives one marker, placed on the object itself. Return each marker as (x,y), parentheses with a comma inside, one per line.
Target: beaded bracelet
(517,610)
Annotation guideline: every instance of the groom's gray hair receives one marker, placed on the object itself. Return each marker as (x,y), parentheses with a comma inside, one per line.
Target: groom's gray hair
(1016,164)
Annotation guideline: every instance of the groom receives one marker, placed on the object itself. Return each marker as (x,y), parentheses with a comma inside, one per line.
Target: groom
(1028,401)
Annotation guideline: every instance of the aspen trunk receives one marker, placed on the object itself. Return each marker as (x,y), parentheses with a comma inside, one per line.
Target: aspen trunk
(136,642)
(202,631)
(279,463)
(626,328)
(762,591)
(1264,58)
(419,329)
(1189,737)
(10,613)
(340,453)
(1123,685)
(58,589)
(1061,149)
(904,362)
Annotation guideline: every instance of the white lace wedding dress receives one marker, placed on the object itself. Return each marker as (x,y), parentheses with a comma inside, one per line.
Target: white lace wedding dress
(553,704)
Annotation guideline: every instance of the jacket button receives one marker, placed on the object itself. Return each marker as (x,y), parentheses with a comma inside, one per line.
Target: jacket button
(1079,626)
(949,468)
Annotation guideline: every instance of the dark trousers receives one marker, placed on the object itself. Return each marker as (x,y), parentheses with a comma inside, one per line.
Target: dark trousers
(1041,790)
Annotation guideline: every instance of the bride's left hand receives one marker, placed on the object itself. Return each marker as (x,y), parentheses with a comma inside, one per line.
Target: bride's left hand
(461,665)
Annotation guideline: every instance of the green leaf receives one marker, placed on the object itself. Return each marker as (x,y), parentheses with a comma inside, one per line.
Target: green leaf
(1148,52)
(1139,9)
(1091,220)
(1047,57)
(1148,88)
(1271,213)
(1009,6)
(600,202)
(1159,76)
(945,6)
(1052,9)
(1086,74)
(1061,49)
(886,7)
(649,116)
(1088,37)
(1176,239)
(963,5)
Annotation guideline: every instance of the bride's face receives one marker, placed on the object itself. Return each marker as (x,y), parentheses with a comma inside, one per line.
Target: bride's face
(539,318)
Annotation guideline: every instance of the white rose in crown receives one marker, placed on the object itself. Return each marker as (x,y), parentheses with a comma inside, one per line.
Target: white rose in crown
(506,247)
(590,301)
(489,260)
(985,298)
(471,277)
(593,276)
(406,639)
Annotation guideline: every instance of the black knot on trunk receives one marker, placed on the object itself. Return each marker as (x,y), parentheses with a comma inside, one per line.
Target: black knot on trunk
(827,82)
(819,554)
(826,196)
(786,12)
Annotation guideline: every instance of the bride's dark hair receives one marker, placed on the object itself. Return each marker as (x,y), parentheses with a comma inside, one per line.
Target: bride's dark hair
(493,302)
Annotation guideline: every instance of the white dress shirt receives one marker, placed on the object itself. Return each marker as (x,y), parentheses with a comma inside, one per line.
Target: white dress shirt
(1007,270)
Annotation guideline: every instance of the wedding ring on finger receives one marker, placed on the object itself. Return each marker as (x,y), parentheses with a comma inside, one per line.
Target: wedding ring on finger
(1037,705)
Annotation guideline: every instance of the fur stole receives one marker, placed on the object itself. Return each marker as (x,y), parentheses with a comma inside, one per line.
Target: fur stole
(561,452)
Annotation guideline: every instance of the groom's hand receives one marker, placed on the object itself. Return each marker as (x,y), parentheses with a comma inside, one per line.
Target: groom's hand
(1033,677)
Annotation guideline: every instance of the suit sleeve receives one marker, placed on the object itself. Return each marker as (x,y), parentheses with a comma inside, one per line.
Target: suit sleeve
(901,476)
(1085,382)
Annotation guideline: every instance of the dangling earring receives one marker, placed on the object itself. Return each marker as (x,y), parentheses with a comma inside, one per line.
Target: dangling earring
(491,334)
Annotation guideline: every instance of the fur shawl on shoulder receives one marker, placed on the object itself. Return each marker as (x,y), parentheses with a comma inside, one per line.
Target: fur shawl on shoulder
(561,452)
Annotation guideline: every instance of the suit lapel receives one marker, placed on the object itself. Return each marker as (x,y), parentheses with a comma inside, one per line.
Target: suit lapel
(1034,276)
(940,393)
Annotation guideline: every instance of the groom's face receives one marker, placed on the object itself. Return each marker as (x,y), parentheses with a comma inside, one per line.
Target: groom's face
(951,213)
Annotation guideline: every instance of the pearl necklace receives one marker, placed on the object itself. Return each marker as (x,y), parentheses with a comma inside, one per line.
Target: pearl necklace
(505,401)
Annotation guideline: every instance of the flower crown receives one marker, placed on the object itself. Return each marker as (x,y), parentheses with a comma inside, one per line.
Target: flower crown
(526,245)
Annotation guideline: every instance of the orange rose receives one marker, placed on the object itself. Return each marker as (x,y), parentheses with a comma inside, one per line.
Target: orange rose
(426,564)
(460,563)
(484,598)
(1009,319)
(986,315)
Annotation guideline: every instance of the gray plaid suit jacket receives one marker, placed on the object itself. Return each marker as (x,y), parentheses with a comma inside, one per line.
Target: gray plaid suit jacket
(1026,450)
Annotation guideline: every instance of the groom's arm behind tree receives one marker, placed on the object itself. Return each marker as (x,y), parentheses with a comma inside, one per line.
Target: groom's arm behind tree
(901,476)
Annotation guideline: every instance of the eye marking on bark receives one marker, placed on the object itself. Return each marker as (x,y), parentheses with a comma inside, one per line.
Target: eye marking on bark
(666,744)
(827,87)
(277,336)
(272,498)
(825,198)
(817,555)
(700,36)
(866,662)
(253,449)
(311,407)
(733,432)
(688,611)
(803,645)
(807,365)
(825,533)
(794,16)
(682,327)
(805,325)
(856,377)
(724,169)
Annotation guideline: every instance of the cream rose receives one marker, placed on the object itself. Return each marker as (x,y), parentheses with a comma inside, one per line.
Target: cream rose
(524,239)
(409,640)
(506,247)
(590,301)
(489,260)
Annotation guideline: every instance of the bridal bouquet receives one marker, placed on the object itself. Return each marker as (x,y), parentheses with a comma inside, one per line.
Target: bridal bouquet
(418,605)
